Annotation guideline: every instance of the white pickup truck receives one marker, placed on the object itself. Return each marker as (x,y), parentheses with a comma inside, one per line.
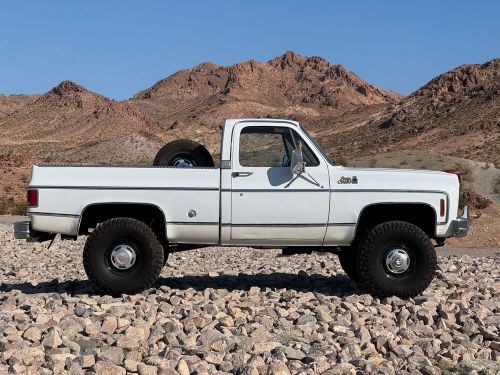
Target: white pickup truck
(275,188)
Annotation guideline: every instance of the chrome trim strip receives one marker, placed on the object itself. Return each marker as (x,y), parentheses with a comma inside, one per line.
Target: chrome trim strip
(341,224)
(277,225)
(125,203)
(62,165)
(124,188)
(386,191)
(334,190)
(291,225)
(191,223)
(274,190)
(51,214)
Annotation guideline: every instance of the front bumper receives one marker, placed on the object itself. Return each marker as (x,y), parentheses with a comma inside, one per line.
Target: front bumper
(23,231)
(460,226)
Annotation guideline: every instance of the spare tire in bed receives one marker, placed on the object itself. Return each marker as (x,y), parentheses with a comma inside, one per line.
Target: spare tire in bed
(183,153)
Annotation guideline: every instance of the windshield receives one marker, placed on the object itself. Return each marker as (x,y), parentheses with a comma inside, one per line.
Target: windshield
(318,147)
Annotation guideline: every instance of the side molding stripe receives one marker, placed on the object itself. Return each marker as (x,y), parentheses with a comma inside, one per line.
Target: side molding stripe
(51,214)
(192,223)
(124,188)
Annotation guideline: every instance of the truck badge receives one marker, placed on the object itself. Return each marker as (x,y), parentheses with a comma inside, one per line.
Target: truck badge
(348,180)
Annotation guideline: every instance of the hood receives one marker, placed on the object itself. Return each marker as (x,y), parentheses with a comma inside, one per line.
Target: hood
(393,179)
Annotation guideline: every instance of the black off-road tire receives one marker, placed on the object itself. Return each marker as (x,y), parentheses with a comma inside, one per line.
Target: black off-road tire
(186,149)
(97,260)
(373,271)
(347,260)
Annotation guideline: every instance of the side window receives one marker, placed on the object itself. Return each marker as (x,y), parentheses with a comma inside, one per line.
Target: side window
(262,146)
(266,146)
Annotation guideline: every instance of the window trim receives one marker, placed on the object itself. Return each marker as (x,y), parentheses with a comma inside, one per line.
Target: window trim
(303,136)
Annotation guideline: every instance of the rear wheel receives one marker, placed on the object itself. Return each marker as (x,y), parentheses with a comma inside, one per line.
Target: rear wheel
(396,258)
(123,255)
(183,153)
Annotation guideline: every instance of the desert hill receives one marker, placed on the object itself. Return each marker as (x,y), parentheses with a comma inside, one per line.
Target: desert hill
(195,101)
(456,113)
(287,80)
(70,113)
(69,121)
(12,103)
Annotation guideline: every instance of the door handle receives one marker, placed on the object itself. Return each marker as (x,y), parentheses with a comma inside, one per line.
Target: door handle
(241,174)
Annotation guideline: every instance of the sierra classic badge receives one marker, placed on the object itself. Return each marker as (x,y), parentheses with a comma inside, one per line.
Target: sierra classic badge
(348,180)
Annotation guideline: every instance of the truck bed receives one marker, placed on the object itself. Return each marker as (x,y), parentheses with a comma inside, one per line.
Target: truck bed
(70,189)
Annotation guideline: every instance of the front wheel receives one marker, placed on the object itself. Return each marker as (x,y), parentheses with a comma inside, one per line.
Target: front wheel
(123,255)
(347,260)
(396,258)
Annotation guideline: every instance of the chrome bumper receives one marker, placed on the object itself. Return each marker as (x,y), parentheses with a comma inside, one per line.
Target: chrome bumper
(460,226)
(22,230)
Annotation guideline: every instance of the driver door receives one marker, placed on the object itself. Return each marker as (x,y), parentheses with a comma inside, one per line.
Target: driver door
(268,205)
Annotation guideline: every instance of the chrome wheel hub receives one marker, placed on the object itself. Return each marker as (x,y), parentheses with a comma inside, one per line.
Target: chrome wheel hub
(397,261)
(183,163)
(123,257)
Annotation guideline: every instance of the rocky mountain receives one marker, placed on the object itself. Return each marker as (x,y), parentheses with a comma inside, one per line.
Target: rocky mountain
(194,102)
(70,113)
(287,80)
(12,103)
(289,84)
(456,113)
(458,110)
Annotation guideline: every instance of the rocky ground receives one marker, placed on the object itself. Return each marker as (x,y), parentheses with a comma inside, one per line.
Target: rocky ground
(242,311)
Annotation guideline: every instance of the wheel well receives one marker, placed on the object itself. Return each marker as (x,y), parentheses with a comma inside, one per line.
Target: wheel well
(420,214)
(149,214)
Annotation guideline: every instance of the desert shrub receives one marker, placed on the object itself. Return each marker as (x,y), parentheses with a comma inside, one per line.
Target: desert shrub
(473,200)
(465,171)
(3,208)
(496,189)
(19,208)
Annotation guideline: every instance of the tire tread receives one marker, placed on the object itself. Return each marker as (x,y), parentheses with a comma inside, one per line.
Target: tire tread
(364,257)
(133,225)
(185,146)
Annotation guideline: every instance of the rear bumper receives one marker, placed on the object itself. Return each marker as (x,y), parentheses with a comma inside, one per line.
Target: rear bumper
(460,226)
(23,231)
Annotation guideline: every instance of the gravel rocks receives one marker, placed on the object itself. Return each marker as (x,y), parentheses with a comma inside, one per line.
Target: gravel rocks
(241,311)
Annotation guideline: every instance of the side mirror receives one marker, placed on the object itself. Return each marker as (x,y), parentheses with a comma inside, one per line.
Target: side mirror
(297,163)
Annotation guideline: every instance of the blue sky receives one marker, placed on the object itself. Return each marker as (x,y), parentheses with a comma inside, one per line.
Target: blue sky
(117,48)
